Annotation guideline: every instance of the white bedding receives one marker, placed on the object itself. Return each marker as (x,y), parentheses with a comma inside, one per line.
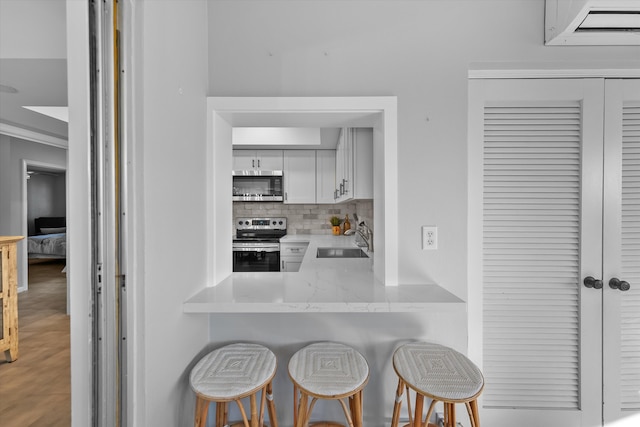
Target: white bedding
(47,246)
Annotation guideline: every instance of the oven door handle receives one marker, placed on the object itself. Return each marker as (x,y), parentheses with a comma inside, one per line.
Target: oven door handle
(256,249)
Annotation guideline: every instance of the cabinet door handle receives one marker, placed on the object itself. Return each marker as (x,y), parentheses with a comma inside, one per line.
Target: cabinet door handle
(618,284)
(258,163)
(590,282)
(253,163)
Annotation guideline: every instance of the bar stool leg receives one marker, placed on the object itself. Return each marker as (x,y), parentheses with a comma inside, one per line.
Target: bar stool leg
(301,419)
(474,416)
(245,420)
(346,412)
(254,410)
(432,406)
(359,411)
(271,406)
(449,414)
(352,408)
(409,410)
(355,404)
(202,409)
(263,401)
(295,405)
(417,419)
(398,404)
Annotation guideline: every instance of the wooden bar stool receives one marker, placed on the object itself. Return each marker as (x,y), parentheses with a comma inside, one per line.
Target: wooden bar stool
(230,374)
(332,371)
(439,373)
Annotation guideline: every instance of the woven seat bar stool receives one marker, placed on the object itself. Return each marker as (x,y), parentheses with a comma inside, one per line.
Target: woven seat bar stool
(230,374)
(331,371)
(440,374)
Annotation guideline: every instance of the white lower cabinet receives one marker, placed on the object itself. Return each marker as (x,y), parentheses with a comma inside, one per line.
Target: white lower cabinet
(291,255)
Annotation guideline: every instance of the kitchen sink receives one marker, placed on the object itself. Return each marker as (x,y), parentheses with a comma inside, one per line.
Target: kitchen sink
(341,253)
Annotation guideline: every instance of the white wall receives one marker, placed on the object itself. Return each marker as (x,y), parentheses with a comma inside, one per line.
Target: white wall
(46,196)
(172,69)
(32,29)
(12,183)
(417,50)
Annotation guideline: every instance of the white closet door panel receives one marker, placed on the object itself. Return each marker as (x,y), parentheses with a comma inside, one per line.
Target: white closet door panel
(540,154)
(528,363)
(622,253)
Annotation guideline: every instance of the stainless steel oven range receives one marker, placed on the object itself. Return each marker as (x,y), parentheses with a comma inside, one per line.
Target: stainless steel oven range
(256,246)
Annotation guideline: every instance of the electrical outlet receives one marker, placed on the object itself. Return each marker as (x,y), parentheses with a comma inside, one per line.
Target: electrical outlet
(429,237)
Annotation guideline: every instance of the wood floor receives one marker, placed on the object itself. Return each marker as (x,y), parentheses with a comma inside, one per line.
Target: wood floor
(35,390)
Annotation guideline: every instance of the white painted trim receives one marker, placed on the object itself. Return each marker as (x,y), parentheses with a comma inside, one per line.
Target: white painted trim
(17,132)
(474,221)
(382,115)
(79,262)
(529,71)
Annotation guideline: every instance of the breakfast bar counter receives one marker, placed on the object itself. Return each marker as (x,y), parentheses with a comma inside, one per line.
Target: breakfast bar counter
(337,285)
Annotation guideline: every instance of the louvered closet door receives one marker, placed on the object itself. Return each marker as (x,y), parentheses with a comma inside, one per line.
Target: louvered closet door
(541,235)
(621,321)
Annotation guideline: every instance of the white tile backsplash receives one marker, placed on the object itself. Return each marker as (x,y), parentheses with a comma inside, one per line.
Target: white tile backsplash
(307,218)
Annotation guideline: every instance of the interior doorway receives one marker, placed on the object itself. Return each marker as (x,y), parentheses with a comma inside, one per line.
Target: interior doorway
(44,195)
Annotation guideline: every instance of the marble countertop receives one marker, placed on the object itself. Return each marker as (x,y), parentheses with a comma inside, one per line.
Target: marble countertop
(321,285)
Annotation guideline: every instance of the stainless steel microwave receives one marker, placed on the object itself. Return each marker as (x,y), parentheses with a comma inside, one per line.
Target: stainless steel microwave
(257,186)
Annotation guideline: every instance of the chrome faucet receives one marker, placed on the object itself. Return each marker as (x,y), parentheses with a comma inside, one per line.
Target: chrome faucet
(365,232)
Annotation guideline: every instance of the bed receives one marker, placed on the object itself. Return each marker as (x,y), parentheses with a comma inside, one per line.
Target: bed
(50,239)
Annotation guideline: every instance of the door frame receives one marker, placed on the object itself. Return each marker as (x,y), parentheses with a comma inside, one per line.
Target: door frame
(24,262)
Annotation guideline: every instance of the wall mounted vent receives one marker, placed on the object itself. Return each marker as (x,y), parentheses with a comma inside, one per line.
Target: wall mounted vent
(592,22)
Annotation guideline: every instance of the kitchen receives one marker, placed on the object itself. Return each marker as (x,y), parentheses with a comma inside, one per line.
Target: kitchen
(299,184)
(353,300)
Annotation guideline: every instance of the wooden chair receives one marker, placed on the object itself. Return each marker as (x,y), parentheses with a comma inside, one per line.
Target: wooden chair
(440,374)
(332,371)
(230,374)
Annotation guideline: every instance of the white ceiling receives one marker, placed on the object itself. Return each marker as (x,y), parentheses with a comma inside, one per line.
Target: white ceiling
(39,82)
(33,61)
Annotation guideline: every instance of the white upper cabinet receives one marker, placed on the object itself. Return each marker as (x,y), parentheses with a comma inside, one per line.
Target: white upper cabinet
(299,176)
(309,176)
(260,160)
(343,162)
(354,165)
(325,176)
(362,169)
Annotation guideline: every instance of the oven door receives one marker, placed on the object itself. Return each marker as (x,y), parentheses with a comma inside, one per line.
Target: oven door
(256,260)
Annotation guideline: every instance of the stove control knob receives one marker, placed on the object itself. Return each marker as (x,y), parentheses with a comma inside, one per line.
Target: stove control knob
(246,223)
(239,222)
(273,222)
(280,223)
